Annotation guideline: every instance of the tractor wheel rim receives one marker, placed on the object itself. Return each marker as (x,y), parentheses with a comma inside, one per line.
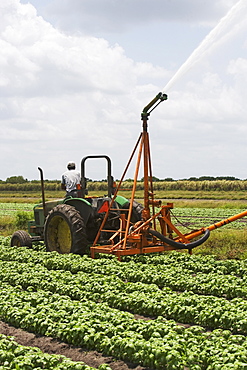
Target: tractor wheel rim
(59,235)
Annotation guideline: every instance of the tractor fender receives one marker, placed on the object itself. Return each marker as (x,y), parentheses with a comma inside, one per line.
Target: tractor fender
(179,245)
(82,205)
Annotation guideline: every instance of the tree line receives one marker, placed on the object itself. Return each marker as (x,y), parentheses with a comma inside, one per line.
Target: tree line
(22,180)
(182,185)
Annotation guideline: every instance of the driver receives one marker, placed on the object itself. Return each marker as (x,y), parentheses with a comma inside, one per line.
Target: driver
(71,180)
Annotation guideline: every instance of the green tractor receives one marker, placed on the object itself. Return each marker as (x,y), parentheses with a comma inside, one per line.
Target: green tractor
(70,225)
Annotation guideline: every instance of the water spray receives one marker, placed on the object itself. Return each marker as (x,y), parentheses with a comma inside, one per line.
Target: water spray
(218,35)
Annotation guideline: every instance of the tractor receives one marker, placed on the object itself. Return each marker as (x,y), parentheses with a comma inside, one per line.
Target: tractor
(112,224)
(69,225)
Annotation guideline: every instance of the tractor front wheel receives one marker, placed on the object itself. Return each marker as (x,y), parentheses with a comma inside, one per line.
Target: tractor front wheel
(64,230)
(21,238)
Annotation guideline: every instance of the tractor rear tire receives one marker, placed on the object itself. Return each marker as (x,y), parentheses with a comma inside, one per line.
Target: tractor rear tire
(21,238)
(65,231)
(136,211)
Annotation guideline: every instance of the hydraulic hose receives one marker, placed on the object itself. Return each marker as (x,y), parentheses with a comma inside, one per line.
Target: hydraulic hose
(179,245)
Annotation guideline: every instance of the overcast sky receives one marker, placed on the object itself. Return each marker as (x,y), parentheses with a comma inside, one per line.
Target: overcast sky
(76,74)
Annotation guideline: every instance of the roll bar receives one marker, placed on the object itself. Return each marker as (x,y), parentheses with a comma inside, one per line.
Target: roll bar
(109,175)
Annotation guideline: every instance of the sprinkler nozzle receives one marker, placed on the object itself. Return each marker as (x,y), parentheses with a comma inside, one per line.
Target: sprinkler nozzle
(150,107)
(163,96)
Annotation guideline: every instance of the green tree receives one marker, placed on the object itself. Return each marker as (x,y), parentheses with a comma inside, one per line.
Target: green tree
(16,180)
(154,178)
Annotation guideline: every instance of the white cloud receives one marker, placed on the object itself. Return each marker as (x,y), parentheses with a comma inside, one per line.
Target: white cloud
(114,16)
(65,96)
(62,94)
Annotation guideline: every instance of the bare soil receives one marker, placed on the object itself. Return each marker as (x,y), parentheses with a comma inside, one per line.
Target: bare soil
(54,346)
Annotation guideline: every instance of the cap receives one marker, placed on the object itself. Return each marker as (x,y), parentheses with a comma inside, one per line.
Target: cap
(71,164)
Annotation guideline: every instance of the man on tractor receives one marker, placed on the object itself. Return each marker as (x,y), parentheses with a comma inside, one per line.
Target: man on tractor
(71,180)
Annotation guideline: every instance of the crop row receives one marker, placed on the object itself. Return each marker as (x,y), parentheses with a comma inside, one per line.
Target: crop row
(16,356)
(196,217)
(106,263)
(159,344)
(16,206)
(178,277)
(139,298)
(195,263)
(11,209)
(136,297)
(203,217)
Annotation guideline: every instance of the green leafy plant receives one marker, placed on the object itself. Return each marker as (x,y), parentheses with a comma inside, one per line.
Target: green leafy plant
(22,219)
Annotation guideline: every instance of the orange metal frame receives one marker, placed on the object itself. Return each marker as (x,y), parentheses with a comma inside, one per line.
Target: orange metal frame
(132,239)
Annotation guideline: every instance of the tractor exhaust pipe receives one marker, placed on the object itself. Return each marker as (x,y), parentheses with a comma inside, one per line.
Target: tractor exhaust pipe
(43,190)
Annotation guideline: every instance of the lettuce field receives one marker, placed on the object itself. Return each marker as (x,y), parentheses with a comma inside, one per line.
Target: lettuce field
(162,311)
(186,218)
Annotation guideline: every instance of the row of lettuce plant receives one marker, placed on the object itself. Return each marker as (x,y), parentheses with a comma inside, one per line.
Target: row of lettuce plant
(185,218)
(188,218)
(178,277)
(19,357)
(158,344)
(139,298)
(196,263)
